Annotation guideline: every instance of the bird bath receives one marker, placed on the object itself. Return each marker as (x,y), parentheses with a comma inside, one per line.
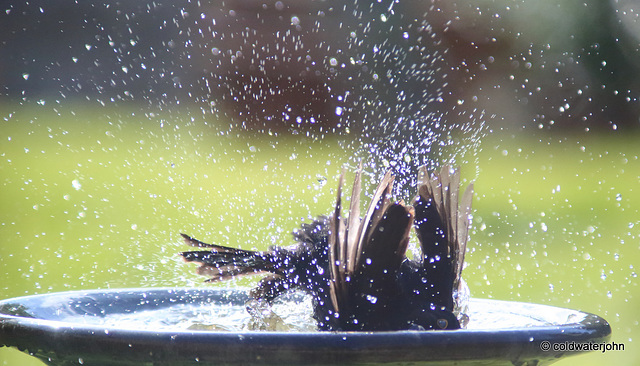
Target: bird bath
(151,326)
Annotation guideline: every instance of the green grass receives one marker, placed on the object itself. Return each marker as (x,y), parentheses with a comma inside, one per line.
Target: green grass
(97,199)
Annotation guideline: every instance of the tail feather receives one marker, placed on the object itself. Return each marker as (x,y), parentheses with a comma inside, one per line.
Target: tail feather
(215,247)
(223,259)
(222,273)
(222,263)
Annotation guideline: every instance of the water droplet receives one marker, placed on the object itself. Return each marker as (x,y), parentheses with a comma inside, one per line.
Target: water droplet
(372,299)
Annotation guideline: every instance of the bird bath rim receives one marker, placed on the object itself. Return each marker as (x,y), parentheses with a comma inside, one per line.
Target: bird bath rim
(32,324)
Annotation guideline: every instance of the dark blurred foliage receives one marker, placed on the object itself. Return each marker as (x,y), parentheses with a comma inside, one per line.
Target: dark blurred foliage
(563,64)
(90,50)
(272,64)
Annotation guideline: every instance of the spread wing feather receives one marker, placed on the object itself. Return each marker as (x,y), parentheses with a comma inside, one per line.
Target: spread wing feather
(366,248)
(442,224)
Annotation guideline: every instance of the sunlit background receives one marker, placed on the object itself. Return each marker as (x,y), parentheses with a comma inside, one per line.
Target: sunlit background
(126,123)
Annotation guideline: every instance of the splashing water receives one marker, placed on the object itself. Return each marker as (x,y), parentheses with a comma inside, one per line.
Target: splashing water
(293,312)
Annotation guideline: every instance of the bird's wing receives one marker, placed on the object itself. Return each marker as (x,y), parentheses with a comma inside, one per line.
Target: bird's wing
(384,249)
(378,206)
(384,234)
(442,221)
(337,258)
(462,232)
(352,234)
(367,249)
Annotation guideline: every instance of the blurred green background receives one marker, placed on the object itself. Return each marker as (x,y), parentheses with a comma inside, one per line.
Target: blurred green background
(96,199)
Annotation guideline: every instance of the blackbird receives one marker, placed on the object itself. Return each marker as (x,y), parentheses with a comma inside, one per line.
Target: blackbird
(356,269)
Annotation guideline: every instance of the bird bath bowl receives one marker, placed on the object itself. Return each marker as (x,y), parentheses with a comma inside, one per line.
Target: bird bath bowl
(135,327)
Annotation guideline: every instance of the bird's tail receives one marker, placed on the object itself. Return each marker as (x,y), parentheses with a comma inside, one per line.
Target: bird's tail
(221,263)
